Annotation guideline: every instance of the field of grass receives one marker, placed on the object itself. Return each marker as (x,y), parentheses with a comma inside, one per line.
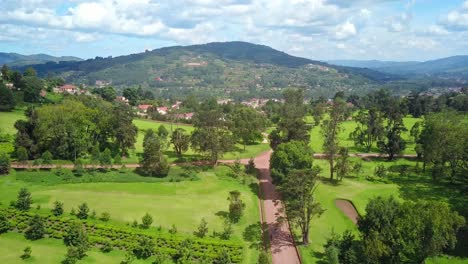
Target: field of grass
(7,126)
(143,125)
(49,250)
(8,119)
(182,203)
(316,138)
(359,190)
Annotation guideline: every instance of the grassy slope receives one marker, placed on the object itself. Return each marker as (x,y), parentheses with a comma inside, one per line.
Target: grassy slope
(316,138)
(48,250)
(181,203)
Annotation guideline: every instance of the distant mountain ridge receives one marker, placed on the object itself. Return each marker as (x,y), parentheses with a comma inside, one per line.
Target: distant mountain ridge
(15,59)
(454,66)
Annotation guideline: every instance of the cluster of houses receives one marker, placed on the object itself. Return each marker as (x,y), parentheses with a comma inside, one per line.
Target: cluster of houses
(165,110)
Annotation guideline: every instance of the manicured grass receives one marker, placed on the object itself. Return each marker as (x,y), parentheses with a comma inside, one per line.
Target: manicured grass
(7,126)
(237,152)
(48,250)
(182,203)
(8,119)
(410,186)
(316,138)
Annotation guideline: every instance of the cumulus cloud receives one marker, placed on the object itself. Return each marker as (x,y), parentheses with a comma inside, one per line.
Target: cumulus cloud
(345,30)
(302,27)
(457,20)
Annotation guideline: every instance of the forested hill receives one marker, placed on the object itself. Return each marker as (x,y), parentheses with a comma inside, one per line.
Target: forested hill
(217,66)
(15,59)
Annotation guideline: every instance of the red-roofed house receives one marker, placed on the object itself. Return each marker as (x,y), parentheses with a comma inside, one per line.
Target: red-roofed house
(162,110)
(144,107)
(67,88)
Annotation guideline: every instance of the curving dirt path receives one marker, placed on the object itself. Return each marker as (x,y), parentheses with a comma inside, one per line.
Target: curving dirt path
(348,209)
(282,245)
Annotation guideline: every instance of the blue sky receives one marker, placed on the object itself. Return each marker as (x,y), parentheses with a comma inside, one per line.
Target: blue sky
(317,29)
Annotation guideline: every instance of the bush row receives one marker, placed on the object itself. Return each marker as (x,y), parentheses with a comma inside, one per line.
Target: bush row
(126,238)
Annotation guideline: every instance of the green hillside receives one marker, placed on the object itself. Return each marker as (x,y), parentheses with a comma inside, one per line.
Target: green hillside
(230,66)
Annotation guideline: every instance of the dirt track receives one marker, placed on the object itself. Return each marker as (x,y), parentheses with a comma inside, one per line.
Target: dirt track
(283,248)
(348,209)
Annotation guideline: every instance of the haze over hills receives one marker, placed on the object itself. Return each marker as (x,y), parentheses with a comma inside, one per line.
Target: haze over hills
(241,66)
(15,59)
(455,66)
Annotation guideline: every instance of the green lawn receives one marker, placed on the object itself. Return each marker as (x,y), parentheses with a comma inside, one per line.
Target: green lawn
(50,251)
(7,126)
(316,138)
(8,119)
(237,152)
(182,203)
(409,186)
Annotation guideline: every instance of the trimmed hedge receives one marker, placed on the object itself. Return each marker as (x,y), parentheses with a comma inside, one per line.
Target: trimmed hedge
(125,238)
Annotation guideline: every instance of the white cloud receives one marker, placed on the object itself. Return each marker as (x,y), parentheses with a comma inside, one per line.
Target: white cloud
(345,30)
(457,20)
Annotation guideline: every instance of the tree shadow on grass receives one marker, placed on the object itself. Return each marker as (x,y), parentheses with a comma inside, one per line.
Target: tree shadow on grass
(420,187)
(223,214)
(320,256)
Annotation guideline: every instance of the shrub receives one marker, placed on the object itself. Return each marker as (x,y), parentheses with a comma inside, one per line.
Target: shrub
(380,171)
(24,200)
(58,208)
(4,164)
(263,257)
(202,229)
(146,221)
(227,231)
(83,211)
(144,248)
(105,217)
(250,167)
(78,168)
(46,157)
(106,247)
(72,256)
(36,229)
(236,206)
(173,230)
(26,253)
(4,223)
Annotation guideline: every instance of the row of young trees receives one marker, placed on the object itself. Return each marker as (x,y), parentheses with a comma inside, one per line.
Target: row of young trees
(216,131)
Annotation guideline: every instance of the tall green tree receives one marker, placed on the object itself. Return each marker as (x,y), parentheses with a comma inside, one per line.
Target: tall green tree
(294,155)
(153,161)
(7,101)
(31,87)
(6,73)
(369,128)
(24,200)
(444,140)
(392,143)
(36,229)
(77,237)
(236,206)
(5,164)
(125,130)
(247,125)
(291,125)
(330,129)
(180,140)
(211,135)
(298,192)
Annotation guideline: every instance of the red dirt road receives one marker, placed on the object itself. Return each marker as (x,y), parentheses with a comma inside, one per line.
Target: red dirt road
(283,249)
